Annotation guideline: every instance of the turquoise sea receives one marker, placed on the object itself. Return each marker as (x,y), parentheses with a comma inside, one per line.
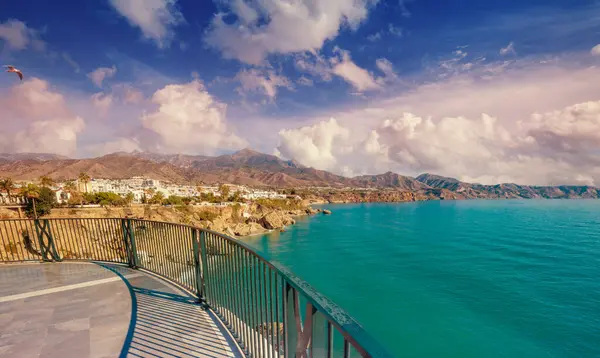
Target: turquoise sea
(462,279)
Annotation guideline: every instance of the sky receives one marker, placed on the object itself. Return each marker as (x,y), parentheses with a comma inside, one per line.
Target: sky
(484,91)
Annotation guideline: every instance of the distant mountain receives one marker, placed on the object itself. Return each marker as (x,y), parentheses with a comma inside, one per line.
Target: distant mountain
(509,190)
(249,167)
(9,157)
(390,180)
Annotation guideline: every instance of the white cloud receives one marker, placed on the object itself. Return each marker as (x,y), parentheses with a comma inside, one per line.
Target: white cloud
(102,101)
(17,36)
(385,66)
(595,50)
(313,145)
(357,76)
(508,50)
(264,27)
(38,120)
(540,138)
(132,95)
(314,64)
(69,60)
(305,81)
(100,74)
(188,120)
(374,37)
(155,18)
(265,81)
(396,31)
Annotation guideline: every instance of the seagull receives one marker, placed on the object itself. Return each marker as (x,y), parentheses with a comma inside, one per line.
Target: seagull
(13,69)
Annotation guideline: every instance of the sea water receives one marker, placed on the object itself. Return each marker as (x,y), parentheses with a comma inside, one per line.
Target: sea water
(513,278)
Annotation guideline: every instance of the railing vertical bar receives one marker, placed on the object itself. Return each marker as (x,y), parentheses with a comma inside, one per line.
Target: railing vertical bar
(7,228)
(285,308)
(11,233)
(92,231)
(277,313)
(180,255)
(243,299)
(60,236)
(103,239)
(259,306)
(346,348)
(117,242)
(108,223)
(71,230)
(329,339)
(210,278)
(21,248)
(232,289)
(251,306)
(248,292)
(5,244)
(121,249)
(216,274)
(164,239)
(225,285)
(97,240)
(236,290)
(175,254)
(160,240)
(70,246)
(265,308)
(271,307)
(203,255)
(108,241)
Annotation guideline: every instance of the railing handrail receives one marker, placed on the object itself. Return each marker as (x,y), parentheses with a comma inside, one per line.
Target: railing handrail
(345,324)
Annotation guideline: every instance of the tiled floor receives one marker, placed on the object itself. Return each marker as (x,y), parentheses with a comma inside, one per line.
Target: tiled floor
(87,310)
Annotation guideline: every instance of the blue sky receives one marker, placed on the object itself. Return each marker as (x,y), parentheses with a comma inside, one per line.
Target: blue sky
(211,77)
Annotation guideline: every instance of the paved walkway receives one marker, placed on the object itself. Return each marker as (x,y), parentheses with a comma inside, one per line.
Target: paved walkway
(90,310)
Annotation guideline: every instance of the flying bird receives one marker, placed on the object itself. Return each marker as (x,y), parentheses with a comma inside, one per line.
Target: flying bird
(13,69)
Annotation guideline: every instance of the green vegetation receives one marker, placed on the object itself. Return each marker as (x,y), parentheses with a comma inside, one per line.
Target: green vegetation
(40,201)
(105,199)
(206,215)
(8,186)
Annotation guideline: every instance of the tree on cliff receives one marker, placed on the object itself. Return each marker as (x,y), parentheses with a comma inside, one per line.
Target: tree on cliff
(8,186)
(224,190)
(40,201)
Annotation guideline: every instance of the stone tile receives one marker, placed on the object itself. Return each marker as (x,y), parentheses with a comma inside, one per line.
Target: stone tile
(94,321)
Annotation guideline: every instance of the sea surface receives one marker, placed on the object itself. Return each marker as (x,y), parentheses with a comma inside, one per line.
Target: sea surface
(515,278)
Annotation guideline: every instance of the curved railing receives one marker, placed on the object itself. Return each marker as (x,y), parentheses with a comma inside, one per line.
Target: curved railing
(268,310)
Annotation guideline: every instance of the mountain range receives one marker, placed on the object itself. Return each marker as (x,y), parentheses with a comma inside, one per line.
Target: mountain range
(249,167)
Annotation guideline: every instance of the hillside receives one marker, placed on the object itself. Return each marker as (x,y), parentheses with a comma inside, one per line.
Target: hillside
(249,167)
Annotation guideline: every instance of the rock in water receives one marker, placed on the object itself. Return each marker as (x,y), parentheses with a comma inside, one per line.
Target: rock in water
(272,221)
(327,212)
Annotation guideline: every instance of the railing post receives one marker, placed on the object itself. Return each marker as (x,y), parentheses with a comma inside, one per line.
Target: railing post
(197,268)
(129,238)
(204,274)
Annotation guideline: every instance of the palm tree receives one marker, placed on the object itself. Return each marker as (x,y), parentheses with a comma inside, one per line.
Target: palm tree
(8,186)
(129,198)
(84,178)
(31,192)
(46,181)
(70,187)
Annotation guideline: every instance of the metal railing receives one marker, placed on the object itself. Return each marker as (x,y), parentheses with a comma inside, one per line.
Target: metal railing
(269,311)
